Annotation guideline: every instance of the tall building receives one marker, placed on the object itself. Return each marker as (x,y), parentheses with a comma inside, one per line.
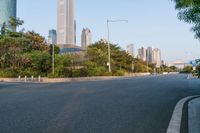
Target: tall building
(157,57)
(86,38)
(142,53)
(8,8)
(52,38)
(66,22)
(149,55)
(130,49)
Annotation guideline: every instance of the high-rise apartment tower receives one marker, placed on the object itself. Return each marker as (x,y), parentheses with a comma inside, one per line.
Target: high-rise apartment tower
(130,49)
(86,38)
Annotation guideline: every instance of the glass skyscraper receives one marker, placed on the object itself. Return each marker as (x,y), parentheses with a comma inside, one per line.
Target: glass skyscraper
(8,8)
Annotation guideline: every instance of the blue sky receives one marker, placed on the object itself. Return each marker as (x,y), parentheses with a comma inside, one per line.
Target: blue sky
(151,23)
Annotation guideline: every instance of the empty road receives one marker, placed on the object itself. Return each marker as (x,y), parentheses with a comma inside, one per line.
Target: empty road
(130,105)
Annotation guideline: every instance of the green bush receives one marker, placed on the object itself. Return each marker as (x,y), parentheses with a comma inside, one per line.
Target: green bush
(27,72)
(7,73)
(119,73)
(187,69)
(107,74)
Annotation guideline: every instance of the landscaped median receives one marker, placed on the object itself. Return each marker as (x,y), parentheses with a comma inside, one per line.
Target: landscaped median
(57,80)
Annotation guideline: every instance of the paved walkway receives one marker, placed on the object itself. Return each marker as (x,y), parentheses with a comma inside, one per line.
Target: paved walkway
(194,116)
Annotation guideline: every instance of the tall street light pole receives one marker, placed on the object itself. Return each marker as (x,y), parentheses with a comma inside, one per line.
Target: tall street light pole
(109,51)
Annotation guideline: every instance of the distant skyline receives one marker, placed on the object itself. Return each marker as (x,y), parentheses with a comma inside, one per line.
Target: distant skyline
(151,23)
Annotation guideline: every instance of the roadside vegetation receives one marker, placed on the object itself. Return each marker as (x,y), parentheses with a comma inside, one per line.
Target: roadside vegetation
(28,54)
(198,71)
(189,12)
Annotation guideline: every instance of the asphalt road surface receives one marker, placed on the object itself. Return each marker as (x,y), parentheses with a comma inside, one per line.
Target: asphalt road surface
(132,105)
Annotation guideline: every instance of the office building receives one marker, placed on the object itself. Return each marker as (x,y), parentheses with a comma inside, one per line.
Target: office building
(8,8)
(142,53)
(130,49)
(86,38)
(66,24)
(149,55)
(52,38)
(157,57)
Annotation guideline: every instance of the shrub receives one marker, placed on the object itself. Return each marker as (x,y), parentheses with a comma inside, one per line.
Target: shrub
(119,73)
(6,73)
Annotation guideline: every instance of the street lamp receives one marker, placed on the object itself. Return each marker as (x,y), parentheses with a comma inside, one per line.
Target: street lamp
(109,56)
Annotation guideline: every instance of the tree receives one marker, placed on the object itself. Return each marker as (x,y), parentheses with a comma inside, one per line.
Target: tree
(37,42)
(97,55)
(198,70)
(40,62)
(187,69)
(56,49)
(189,11)
(15,22)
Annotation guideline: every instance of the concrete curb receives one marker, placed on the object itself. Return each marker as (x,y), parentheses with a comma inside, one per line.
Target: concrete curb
(175,122)
(190,76)
(60,80)
(194,116)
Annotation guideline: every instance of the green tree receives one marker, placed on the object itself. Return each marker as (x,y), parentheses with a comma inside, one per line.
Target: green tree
(97,55)
(15,22)
(198,70)
(24,54)
(187,69)
(36,41)
(189,11)
(40,62)
(56,49)
(63,65)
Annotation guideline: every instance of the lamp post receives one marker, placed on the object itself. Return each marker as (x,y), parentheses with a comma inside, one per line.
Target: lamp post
(109,51)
